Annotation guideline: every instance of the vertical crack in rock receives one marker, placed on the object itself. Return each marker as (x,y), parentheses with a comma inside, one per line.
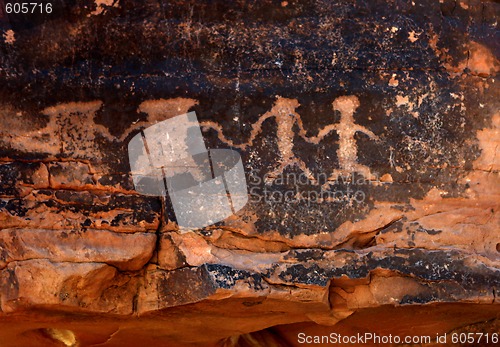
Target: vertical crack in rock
(368,131)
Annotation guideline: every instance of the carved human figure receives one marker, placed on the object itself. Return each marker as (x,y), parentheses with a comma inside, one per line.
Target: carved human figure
(286,117)
(348,152)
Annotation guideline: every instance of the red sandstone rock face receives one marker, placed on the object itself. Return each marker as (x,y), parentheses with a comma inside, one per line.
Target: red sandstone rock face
(404,95)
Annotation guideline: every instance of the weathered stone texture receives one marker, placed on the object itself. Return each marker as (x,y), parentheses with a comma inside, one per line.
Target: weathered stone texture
(369,131)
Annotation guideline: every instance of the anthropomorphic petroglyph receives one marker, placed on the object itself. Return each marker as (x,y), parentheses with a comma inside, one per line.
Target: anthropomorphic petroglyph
(346,129)
(285,116)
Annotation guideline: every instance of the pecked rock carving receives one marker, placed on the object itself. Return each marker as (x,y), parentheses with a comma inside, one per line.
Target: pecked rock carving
(286,117)
(368,135)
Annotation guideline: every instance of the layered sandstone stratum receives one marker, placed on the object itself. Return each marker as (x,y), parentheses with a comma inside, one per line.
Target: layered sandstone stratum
(369,132)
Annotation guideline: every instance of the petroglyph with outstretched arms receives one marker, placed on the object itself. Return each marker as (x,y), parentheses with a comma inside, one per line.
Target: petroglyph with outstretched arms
(285,116)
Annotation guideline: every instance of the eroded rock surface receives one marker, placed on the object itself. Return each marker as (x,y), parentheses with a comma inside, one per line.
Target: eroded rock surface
(369,132)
